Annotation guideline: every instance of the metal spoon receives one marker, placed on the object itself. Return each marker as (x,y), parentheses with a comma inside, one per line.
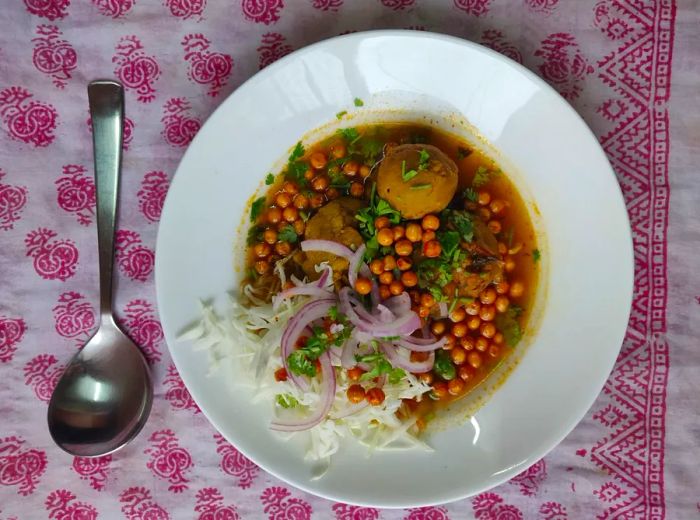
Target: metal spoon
(104,397)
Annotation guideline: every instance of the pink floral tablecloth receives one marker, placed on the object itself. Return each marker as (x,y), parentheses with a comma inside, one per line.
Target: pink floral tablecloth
(630,67)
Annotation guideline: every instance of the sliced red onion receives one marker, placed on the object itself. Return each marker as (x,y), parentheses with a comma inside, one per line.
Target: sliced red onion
(347,358)
(323,279)
(310,312)
(384,314)
(398,361)
(400,304)
(355,263)
(302,290)
(327,396)
(442,306)
(420,345)
(365,322)
(351,410)
(327,246)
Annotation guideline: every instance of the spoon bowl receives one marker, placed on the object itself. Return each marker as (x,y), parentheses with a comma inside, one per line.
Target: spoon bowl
(104,396)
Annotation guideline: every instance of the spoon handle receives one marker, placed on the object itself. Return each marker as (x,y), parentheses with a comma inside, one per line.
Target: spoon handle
(107,112)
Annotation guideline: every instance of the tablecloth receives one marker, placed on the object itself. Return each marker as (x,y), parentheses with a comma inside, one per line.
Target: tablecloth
(629,67)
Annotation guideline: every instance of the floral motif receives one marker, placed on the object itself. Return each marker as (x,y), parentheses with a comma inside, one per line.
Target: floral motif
(473,7)
(25,119)
(186,8)
(553,511)
(136,70)
(177,393)
(234,463)
(529,480)
(273,46)
(20,466)
(114,8)
(262,11)
(51,9)
(490,506)
(348,512)
(398,5)
(61,506)
(327,5)
(141,324)
(564,66)
(206,67)
(137,504)
(169,461)
(11,333)
(280,505)
(179,127)
(94,470)
(53,259)
(542,6)
(75,193)
(133,258)
(74,317)
(427,513)
(154,188)
(53,56)
(43,374)
(210,506)
(12,201)
(495,40)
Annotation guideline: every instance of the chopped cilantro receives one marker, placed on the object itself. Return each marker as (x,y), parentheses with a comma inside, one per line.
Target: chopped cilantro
(255,234)
(449,242)
(444,366)
(256,208)
(333,313)
(407,175)
(358,102)
(460,221)
(463,152)
(424,186)
(297,152)
(370,149)
(481,177)
(380,367)
(509,237)
(288,234)
(340,115)
(508,324)
(349,134)
(287,401)
(302,361)
(536,255)
(296,168)
(470,195)
(423,159)
(304,215)
(270,179)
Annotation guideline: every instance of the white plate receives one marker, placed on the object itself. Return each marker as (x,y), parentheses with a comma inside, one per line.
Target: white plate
(543,145)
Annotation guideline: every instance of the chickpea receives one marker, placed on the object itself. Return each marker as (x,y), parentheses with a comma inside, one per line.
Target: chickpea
(355,373)
(467,343)
(363,286)
(389,263)
(332,193)
(385,237)
(262,266)
(403,247)
(458,355)
(418,357)
(428,236)
(432,249)
(458,314)
(502,304)
(351,168)
(290,187)
(439,389)
(430,222)
(517,290)
(281,374)
(290,214)
(481,344)
(386,277)
(365,171)
(404,264)
(474,359)
(317,200)
(494,351)
(487,312)
(318,160)
(497,206)
(427,300)
(485,214)
(399,232)
(384,292)
(414,232)
(338,151)
(309,174)
(274,215)
(488,296)
(488,330)
(438,327)
(283,248)
(270,236)
(502,287)
(474,323)
(356,394)
(424,311)
(301,201)
(498,338)
(502,248)
(283,199)
(450,342)
(357,189)
(473,308)
(494,226)
(299,226)
(376,266)
(509,264)
(426,377)
(465,373)
(460,329)
(320,183)
(483,198)
(456,386)
(381,222)
(396,287)
(262,249)
(375,396)
(409,278)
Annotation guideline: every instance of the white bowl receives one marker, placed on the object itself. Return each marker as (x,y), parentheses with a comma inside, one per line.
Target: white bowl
(584,293)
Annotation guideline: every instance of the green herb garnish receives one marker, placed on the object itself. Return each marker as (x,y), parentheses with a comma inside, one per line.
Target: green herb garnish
(470,195)
(425,186)
(444,366)
(377,207)
(287,401)
(536,255)
(481,177)
(380,367)
(423,159)
(255,234)
(508,324)
(302,361)
(463,152)
(269,180)
(349,134)
(296,168)
(407,175)
(340,115)
(358,102)
(256,208)
(461,222)
(288,234)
